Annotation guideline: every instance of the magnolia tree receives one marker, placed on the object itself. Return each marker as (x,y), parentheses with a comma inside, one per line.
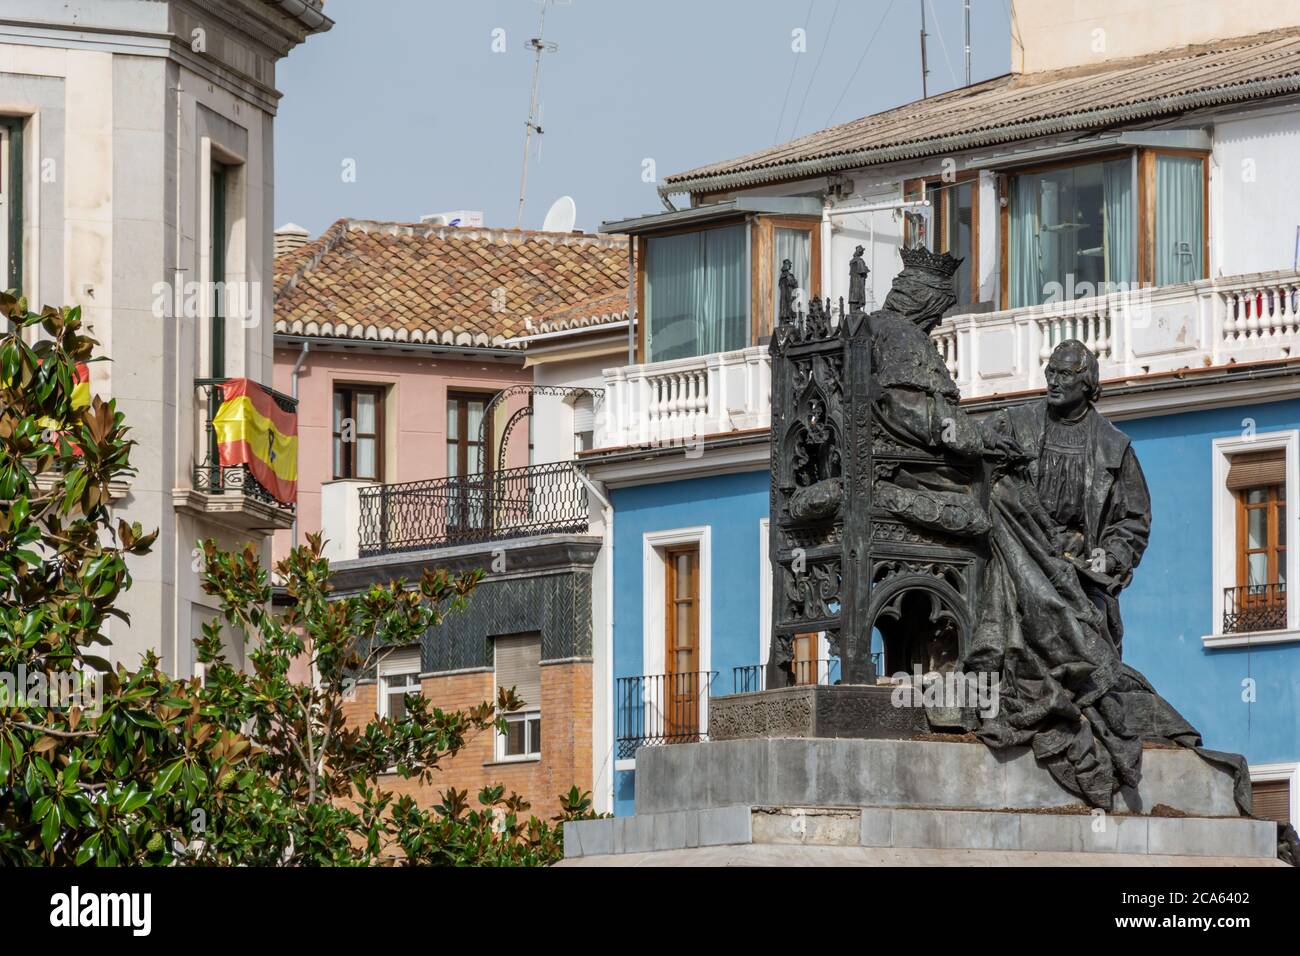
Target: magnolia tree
(247,766)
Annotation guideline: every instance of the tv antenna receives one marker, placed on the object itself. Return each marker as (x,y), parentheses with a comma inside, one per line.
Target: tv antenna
(534,124)
(925,70)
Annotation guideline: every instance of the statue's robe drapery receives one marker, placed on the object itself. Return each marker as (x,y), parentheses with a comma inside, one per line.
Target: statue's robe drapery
(1049,625)
(1115,513)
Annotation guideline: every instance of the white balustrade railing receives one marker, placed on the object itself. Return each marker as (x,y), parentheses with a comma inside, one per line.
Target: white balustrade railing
(1192,325)
(681,401)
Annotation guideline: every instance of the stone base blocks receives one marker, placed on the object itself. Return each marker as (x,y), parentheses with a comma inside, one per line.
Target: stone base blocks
(900,829)
(891,802)
(815,772)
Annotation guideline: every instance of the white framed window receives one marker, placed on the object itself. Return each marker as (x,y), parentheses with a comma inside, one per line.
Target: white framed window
(656,546)
(518,663)
(676,571)
(1247,511)
(399,675)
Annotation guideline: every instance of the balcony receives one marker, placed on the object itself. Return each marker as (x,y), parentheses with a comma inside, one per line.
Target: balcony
(1254,607)
(753,677)
(443,512)
(655,709)
(1205,323)
(230,494)
(674,403)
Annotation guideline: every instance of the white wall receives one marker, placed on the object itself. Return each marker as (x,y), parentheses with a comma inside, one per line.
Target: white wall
(1254,200)
(1053,34)
(881,233)
(553,414)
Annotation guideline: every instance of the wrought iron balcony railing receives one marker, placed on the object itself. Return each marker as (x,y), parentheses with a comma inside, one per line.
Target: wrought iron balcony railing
(753,677)
(210,476)
(1254,607)
(510,503)
(655,709)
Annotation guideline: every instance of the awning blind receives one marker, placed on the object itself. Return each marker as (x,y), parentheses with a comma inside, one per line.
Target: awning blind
(1272,800)
(1257,469)
(584,415)
(405,660)
(518,665)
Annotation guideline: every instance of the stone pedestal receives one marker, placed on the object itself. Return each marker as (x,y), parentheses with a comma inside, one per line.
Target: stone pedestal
(863,711)
(890,801)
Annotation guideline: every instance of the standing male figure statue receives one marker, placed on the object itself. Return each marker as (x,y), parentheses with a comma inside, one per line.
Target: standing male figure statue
(858,273)
(1070,515)
(788,286)
(1087,478)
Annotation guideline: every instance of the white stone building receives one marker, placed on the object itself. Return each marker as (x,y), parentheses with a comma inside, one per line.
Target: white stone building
(137,151)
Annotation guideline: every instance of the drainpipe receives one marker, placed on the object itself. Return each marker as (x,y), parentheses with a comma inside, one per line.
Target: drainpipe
(824,280)
(606,674)
(293,376)
(631,301)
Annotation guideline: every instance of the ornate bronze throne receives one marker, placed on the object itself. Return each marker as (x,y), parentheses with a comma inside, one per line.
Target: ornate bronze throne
(868,530)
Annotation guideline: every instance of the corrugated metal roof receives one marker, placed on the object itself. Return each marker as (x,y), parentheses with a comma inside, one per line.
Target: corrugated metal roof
(1015,106)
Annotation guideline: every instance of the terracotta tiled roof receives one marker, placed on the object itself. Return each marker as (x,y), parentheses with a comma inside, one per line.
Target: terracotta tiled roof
(409,282)
(1016,107)
(602,310)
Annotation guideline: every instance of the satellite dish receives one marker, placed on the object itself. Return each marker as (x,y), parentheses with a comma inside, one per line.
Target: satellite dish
(561,216)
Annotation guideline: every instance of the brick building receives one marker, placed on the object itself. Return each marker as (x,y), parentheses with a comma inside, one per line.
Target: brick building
(425,442)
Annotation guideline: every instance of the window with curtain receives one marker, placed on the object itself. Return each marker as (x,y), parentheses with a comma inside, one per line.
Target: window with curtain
(696,295)
(952,212)
(1180,231)
(1072,232)
(357,429)
(795,245)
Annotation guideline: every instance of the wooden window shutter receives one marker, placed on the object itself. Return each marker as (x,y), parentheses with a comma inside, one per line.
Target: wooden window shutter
(404,660)
(1272,800)
(1257,469)
(518,665)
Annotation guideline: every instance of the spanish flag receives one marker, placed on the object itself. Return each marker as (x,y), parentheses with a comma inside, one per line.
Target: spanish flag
(253,430)
(81,386)
(80,399)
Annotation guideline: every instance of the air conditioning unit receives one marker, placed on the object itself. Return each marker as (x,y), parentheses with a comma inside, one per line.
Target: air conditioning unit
(466,218)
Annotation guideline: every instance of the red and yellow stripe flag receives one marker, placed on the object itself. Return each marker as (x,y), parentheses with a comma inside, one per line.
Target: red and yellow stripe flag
(253,430)
(80,399)
(81,386)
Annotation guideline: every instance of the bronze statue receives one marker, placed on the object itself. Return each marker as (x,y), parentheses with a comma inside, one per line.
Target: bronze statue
(996,548)
(788,286)
(1087,478)
(858,273)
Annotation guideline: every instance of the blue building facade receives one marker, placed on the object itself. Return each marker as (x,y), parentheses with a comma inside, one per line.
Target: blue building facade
(1243,697)
(1136,237)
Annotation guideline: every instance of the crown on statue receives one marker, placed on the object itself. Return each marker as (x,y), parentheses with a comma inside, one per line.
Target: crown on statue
(921,258)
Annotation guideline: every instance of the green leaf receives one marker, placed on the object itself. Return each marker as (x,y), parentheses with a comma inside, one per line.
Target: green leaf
(89,847)
(167,778)
(50,829)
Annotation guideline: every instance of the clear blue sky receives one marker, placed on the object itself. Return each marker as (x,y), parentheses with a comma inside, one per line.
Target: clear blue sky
(412,92)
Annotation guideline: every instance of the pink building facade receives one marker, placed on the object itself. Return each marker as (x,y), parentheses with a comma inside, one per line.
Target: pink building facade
(415,441)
